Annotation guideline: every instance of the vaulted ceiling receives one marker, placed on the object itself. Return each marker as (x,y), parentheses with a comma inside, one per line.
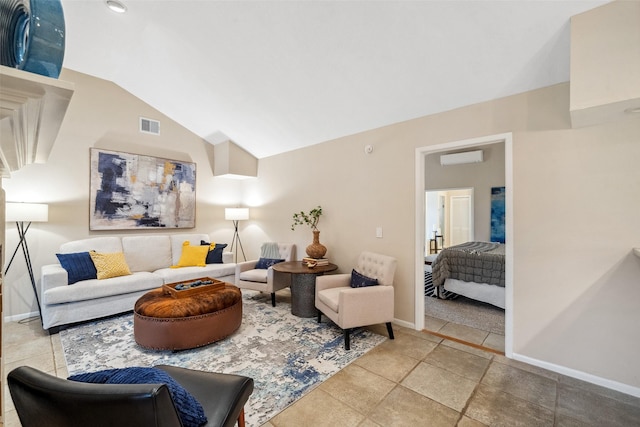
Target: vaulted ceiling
(274,76)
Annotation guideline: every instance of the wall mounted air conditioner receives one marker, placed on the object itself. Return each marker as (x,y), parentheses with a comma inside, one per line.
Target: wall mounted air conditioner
(461,158)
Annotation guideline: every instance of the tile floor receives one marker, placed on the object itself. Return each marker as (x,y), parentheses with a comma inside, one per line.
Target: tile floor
(418,379)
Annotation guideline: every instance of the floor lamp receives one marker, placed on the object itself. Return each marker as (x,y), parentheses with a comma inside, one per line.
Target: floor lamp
(235,215)
(23,214)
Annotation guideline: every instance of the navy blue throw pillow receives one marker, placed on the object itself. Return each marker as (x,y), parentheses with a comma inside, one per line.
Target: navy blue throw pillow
(79,266)
(360,280)
(264,263)
(190,410)
(215,255)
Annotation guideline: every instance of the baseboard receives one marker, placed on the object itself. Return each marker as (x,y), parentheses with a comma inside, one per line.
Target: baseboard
(404,324)
(22,316)
(613,385)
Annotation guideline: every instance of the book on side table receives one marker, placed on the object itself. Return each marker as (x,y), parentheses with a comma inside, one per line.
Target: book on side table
(308,261)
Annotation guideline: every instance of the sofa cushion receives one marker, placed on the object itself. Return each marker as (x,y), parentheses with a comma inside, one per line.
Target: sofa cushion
(110,264)
(94,288)
(215,255)
(79,266)
(190,410)
(331,297)
(147,253)
(98,244)
(192,256)
(178,239)
(257,275)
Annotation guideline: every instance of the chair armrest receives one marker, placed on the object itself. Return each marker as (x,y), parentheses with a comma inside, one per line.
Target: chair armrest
(52,276)
(227,257)
(245,266)
(332,281)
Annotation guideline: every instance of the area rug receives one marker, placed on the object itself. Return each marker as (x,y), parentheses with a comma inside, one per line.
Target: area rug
(287,356)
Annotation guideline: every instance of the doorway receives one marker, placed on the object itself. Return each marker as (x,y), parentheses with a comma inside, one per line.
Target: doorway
(421,225)
(449,218)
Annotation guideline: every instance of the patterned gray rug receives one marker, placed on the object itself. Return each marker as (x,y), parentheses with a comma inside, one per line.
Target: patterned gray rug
(285,355)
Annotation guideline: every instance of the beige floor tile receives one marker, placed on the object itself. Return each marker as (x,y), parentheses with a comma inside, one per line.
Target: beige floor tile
(496,408)
(602,391)
(459,362)
(525,385)
(469,422)
(403,407)
(526,367)
(11,418)
(468,349)
(588,406)
(421,334)
(357,387)
(317,409)
(433,323)
(440,385)
(42,361)
(26,349)
(409,346)
(494,341)
(387,363)
(368,423)
(464,333)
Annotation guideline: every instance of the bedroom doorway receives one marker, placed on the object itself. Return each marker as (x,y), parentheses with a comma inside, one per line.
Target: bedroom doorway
(424,229)
(449,218)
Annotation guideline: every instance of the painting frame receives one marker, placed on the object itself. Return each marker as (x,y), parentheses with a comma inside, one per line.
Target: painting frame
(140,192)
(498,214)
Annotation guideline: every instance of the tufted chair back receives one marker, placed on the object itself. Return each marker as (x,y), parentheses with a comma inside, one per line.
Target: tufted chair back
(377,266)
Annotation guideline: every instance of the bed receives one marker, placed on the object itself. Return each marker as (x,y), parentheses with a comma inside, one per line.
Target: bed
(473,269)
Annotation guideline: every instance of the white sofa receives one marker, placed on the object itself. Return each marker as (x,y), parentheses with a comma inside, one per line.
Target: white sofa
(149,258)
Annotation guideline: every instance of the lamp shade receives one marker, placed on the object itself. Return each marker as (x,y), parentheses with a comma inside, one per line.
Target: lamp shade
(236,214)
(27,212)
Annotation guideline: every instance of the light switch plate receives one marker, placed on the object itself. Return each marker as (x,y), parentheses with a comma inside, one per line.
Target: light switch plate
(379,232)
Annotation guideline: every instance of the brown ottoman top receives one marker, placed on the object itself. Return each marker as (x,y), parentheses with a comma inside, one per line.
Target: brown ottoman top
(157,303)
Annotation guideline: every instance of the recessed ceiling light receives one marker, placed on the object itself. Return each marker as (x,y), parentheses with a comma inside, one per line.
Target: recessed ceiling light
(116,6)
(632,110)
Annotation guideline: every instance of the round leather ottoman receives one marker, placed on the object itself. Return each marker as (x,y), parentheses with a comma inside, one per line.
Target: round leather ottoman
(162,322)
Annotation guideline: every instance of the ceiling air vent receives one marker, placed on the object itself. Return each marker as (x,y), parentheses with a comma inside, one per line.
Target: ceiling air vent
(149,126)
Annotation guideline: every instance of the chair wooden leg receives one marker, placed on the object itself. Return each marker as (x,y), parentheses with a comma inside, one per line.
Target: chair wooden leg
(390,330)
(241,418)
(273,299)
(319,316)
(347,343)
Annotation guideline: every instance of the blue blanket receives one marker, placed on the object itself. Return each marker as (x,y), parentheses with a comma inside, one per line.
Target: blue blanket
(189,409)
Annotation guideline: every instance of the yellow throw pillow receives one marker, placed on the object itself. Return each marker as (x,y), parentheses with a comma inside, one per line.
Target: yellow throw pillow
(110,264)
(192,256)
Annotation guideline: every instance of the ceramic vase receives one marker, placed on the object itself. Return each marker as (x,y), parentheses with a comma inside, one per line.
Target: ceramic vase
(316,249)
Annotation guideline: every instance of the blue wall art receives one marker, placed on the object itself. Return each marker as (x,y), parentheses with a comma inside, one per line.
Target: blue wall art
(497,214)
(132,191)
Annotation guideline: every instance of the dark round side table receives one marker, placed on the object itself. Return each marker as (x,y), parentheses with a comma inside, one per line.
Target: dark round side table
(303,285)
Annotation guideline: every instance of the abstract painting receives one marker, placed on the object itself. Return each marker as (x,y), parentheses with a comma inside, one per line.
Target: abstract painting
(497,214)
(132,191)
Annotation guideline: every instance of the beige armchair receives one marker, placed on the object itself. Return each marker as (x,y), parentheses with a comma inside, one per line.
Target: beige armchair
(350,307)
(266,280)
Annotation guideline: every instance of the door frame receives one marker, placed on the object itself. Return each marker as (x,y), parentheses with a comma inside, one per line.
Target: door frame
(420,155)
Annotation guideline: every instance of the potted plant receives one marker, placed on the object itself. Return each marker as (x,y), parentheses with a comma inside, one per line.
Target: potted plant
(316,249)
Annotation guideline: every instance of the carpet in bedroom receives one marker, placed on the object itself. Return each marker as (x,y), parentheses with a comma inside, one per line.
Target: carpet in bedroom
(286,356)
(465,311)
